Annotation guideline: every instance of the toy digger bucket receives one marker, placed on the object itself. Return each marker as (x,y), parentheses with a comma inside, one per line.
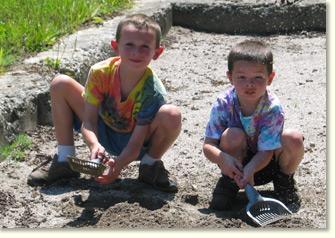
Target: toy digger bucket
(94,168)
(262,210)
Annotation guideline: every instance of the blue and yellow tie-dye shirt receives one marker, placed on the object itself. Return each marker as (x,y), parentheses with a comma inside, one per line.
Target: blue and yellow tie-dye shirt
(103,89)
(263,128)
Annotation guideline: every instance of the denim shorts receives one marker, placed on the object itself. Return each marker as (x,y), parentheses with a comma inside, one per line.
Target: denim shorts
(114,142)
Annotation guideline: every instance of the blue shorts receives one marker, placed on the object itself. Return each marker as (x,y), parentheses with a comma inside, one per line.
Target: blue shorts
(114,142)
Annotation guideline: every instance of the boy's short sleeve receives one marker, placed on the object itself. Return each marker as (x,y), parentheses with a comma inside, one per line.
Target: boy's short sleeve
(149,109)
(151,99)
(93,89)
(217,122)
(271,129)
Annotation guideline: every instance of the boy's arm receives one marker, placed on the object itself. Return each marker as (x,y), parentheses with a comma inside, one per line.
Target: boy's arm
(89,130)
(228,164)
(260,160)
(128,154)
(134,146)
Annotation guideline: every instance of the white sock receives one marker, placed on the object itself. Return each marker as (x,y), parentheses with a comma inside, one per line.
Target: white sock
(64,151)
(147,159)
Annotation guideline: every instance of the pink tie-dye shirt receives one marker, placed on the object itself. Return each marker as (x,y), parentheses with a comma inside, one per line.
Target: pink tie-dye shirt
(263,128)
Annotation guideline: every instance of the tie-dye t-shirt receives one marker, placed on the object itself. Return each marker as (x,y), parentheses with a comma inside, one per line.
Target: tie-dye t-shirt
(103,89)
(263,128)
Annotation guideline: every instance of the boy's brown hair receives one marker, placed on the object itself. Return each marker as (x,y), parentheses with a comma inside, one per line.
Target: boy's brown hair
(251,50)
(140,21)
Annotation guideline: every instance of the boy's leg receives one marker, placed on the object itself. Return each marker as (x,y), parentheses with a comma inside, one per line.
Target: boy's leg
(292,151)
(233,142)
(289,158)
(164,130)
(66,100)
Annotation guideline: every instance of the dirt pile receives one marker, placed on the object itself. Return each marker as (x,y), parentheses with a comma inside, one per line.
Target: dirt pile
(193,69)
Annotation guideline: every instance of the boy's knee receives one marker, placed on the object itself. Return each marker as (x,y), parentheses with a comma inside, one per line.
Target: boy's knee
(293,139)
(59,82)
(170,116)
(233,138)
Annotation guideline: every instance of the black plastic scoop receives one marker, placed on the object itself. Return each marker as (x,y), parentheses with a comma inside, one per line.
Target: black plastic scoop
(263,210)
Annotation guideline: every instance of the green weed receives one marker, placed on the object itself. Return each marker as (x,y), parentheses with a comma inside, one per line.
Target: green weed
(97,20)
(17,149)
(5,60)
(28,26)
(53,63)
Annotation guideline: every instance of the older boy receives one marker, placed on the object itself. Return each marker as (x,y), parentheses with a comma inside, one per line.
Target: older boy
(244,134)
(122,109)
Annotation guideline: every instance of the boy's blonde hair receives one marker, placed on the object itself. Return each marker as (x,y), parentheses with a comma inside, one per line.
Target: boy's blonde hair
(140,21)
(251,50)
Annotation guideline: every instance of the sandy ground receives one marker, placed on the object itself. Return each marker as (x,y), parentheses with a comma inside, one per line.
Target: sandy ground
(193,70)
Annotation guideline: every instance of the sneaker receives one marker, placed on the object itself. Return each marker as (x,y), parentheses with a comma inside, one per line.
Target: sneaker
(224,194)
(50,172)
(286,191)
(157,176)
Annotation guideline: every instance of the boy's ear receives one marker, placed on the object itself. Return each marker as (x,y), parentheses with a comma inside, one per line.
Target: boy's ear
(271,76)
(114,46)
(158,52)
(229,76)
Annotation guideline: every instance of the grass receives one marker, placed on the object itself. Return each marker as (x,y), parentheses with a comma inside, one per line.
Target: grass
(29,26)
(17,149)
(53,63)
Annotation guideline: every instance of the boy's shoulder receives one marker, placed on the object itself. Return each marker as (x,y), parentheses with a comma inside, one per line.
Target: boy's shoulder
(272,103)
(107,63)
(151,81)
(227,96)
(273,98)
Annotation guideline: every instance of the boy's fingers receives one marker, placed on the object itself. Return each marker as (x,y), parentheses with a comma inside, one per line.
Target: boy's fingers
(243,183)
(107,158)
(239,165)
(237,180)
(252,182)
(101,154)
(237,171)
(110,162)
(93,155)
(103,179)
(109,177)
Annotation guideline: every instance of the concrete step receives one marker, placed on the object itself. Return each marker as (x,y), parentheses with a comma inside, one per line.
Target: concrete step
(24,96)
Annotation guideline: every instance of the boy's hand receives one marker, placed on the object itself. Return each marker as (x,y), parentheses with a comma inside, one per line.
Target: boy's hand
(231,166)
(97,151)
(247,178)
(112,174)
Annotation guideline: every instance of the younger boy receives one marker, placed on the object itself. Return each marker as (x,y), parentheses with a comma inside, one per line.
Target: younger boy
(122,109)
(244,135)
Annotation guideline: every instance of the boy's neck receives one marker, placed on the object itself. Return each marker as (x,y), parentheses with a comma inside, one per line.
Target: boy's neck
(129,78)
(248,108)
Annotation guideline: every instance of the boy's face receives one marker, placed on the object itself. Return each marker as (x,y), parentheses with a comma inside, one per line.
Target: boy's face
(136,47)
(250,80)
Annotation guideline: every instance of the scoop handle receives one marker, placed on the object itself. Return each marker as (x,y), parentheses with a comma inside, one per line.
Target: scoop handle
(252,194)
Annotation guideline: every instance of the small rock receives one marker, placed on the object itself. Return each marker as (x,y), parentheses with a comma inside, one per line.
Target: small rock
(194,187)
(191,198)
